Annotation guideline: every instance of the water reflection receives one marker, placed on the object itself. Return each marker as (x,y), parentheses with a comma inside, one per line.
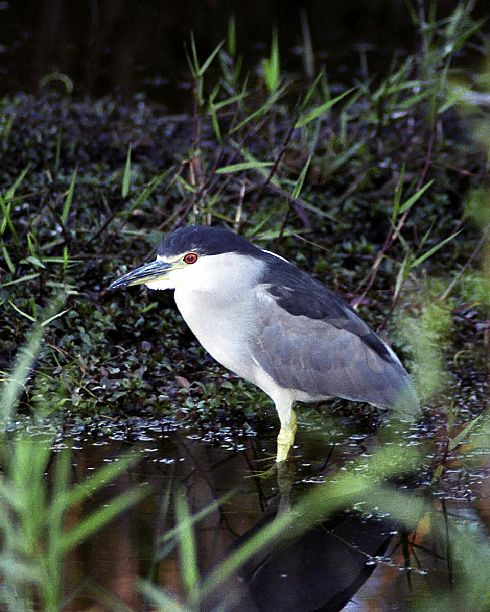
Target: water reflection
(323,569)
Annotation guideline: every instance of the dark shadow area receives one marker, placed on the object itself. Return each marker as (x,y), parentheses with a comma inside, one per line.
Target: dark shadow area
(121,47)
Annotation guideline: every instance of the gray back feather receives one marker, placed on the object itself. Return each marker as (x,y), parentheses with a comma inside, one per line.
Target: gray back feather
(312,341)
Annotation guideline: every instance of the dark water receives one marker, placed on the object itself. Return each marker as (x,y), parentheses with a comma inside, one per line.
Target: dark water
(347,558)
(120,47)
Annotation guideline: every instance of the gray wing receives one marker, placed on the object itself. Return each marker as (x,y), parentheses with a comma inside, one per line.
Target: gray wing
(310,340)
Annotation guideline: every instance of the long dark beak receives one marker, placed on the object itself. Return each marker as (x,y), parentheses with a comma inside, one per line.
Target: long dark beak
(152,271)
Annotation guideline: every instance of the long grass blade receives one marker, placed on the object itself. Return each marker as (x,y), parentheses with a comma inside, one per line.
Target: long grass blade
(416,196)
(434,249)
(187,541)
(126,179)
(298,186)
(252,165)
(69,198)
(318,111)
(98,518)
(161,598)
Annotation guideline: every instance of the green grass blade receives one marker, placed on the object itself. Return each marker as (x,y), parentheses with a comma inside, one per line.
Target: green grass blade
(126,179)
(232,100)
(187,186)
(464,433)
(435,248)
(208,62)
(187,541)
(21,279)
(69,198)
(98,518)
(99,479)
(271,66)
(318,111)
(6,129)
(21,312)
(56,316)
(252,165)
(14,385)
(7,220)
(161,598)
(262,110)
(10,193)
(7,259)
(398,194)
(192,58)
(231,36)
(416,196)
(298,186)
(311,89)
(341,159)
(195,518)
(149,189)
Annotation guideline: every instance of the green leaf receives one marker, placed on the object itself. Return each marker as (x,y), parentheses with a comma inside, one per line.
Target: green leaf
(318,111)
(311,89)
(126,179)
(398,194)
(69,198)
(10,193)
(207,63)
(271,66)
(99,479)
(260,112)
(298,186)
(14,385)
(431,251)
(22,279)
(195,518)
(253,165)
(35,261)
(98,518)
(163,599)
(8,261)
(187,540)
(231,36)
(149,188)
(459,438)
(21,312)
(56,316)
(416,196)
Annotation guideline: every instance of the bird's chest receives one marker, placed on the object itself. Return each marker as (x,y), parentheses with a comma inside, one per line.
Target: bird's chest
(223,327)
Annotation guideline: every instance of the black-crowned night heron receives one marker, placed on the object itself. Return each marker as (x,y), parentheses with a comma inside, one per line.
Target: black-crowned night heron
(274,325)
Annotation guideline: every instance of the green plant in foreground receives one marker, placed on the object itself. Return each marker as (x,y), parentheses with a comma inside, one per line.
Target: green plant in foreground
(33,507)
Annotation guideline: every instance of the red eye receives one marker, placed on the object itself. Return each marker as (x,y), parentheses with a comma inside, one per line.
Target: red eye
(190,258)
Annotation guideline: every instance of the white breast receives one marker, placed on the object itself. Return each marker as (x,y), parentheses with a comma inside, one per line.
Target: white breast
(222,327)
(219,307)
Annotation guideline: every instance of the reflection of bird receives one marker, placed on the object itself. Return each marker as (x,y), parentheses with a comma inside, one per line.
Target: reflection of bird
(321,569)
(274,325)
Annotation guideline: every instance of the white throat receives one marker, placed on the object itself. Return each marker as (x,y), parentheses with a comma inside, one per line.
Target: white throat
(217,303)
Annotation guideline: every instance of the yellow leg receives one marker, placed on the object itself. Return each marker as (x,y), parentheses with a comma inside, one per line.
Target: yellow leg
(285,439)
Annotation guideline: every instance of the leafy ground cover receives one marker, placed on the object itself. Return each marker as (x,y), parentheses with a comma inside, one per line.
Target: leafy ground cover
(375,189)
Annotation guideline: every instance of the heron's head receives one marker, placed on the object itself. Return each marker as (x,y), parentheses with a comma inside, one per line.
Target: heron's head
(199,257)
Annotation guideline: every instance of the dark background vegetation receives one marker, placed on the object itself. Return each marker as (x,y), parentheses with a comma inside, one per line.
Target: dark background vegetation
(121,47)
